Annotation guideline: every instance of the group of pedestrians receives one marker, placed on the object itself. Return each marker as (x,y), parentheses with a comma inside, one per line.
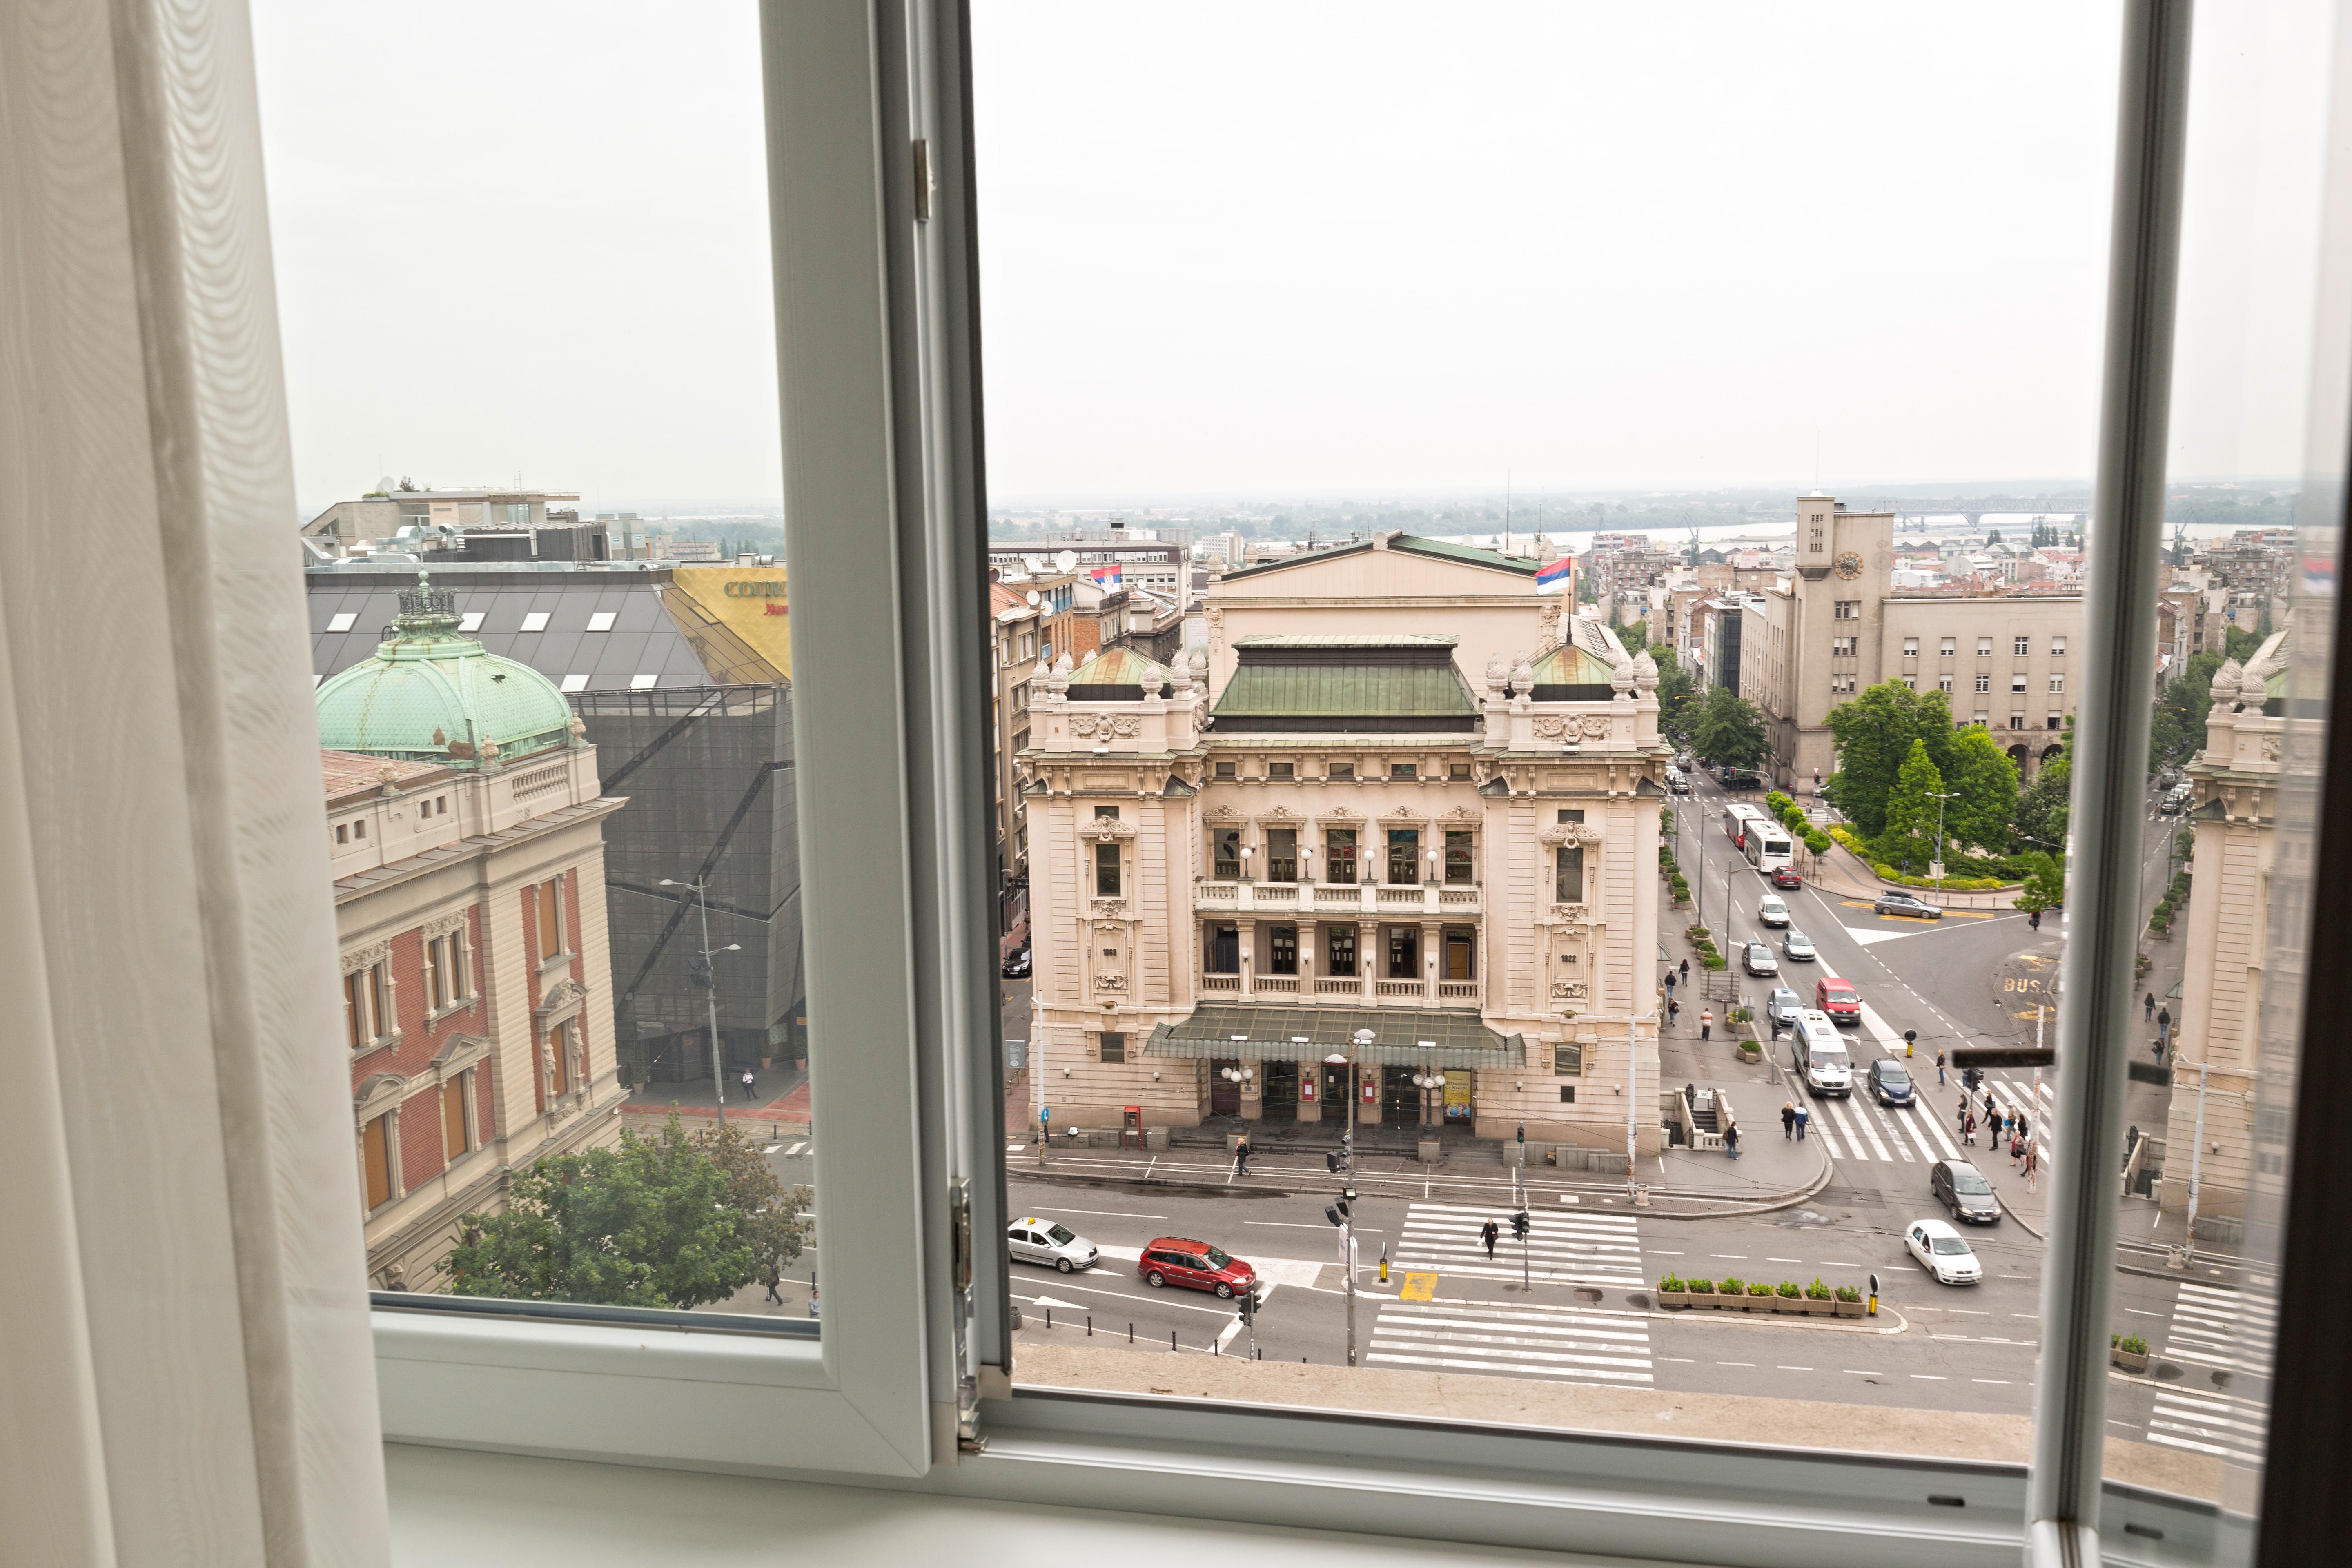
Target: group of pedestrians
(2162,1017)
(1794,1118)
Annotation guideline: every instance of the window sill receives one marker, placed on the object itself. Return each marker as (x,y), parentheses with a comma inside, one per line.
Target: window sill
(466,1005)
(381,1043)
(555,963)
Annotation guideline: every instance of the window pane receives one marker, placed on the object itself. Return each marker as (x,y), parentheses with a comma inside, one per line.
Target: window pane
(618,862)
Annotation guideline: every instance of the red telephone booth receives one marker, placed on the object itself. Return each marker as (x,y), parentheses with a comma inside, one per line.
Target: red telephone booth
(1130,1131)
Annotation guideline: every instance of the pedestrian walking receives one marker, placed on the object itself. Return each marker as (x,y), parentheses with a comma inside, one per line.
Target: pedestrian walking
(2147,1006)
(775,1278)
(1240,1155)
(1968,1125)
(1940,1079)
(2032,1167)
(1731,1140)
(2024,1127)
(1706,1023)
(2164,1024)
(1489,1233)
(748,1096)
(1788,1118)
(1674,1009)
(813,1302)
(1685,970)
(2016,1151)
(1805,1120)
(1670,982)
(2034,919)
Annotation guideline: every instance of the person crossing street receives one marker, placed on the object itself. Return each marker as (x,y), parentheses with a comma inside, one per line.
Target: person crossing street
(1490,1233)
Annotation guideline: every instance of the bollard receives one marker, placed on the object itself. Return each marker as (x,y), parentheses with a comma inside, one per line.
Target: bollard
(1049,1317)
(1172,1339)
(1130,1333)
(1090,1325)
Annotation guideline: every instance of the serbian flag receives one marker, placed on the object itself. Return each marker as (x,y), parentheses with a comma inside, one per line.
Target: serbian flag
(1555,575)
(1106,577)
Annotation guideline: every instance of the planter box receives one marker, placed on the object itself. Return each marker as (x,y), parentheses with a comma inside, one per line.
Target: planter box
(1819,1308)
(2130,1361)
(1756,1303)
(1673,1297)
(1849,1308)
(1792,1305)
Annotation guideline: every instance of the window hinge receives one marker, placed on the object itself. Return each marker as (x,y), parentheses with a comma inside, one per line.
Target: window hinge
(922,180)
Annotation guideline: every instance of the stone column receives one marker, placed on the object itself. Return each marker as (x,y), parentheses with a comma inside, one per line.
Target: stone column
(1246,930)
(1431,956)
(1368,957)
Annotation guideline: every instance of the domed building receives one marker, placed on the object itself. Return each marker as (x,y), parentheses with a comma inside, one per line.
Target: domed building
(465,823)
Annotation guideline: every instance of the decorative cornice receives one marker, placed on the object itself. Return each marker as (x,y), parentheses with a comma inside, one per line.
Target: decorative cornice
(367,957)
(561,1001)
(442,925)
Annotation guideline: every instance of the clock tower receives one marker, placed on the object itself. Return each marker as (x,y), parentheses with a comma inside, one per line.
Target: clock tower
(1835,617)
(1817,541)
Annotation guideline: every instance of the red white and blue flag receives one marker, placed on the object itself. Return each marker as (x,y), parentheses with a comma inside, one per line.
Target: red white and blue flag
(1106,577)
(1555,575)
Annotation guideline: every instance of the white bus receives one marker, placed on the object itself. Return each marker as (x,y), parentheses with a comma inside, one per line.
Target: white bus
(1766,846)
(1737,817)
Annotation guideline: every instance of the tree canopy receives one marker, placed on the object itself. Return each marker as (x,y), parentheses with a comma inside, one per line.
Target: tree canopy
(1728,731)
(1875,732)
(1984,777)
(674,1220)
(2041,808)
(2045,885)
(1674,692)
(1636,637)
(1911,811)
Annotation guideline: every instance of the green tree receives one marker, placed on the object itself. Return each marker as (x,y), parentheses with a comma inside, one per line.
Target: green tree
(1985,779)
(775,1219)
(648,1223)
(2177,729)
(1636,637)
(1874,731)
(1728,731)
(2042,807)
(2045,884)
(1909,835)
(1674,692)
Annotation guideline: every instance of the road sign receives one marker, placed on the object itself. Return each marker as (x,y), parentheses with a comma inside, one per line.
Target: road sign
(1418,1288)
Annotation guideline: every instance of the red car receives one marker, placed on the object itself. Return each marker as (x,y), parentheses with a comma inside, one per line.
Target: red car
(1171,1260)
(1787,876)
(1839,999)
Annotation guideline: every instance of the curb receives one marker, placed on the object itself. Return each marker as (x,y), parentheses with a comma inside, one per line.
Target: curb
(1733,1209)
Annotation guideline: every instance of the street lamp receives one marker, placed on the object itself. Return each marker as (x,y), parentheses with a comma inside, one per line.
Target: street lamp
(1939,800)
(709,978)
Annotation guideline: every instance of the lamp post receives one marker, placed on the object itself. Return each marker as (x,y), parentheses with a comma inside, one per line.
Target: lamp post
(1940,799)
(709,978)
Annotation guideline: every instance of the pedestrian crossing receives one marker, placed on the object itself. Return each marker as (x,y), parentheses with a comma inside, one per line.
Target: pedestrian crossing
(1579,1248)
(2225,1330)
(1861,1129)
(2208,1423)
(1519,1339)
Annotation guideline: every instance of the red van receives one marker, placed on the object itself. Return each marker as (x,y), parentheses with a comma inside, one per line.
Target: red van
(1839,999)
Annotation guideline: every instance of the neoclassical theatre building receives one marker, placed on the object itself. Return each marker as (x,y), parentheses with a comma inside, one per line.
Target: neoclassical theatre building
(1350,856)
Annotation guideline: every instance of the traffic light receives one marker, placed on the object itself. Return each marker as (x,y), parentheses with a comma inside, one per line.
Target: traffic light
(1249,1307)
(1331,1159)
(1331,1212)
(1519,1224)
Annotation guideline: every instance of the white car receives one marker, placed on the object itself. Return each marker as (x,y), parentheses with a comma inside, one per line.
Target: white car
(1035,1241)
(1772,910)
(1784,1005)
(1758,960)
(1943,1252)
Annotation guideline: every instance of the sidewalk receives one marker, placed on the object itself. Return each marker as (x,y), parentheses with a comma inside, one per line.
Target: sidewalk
(780,1104)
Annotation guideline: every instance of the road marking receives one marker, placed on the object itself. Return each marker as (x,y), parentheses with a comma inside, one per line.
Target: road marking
(1009,1148)
(1666,1252)
(796,1151)
(2136,1311)
(1115,1214)
(1784,1261)
(2001,1381)
(1281,1223)
(1796,1369)
(1729,1257)
(1513,1337)
(1857,1371)
(1745,1363)
(1418,1288)
(1929,1377)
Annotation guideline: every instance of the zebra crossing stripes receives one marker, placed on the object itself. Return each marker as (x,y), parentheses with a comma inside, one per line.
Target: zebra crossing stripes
(2209,1424)
(1513,1337)
(2227,1330)
(1574,1249)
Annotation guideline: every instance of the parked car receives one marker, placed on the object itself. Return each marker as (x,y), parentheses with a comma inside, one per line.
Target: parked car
(1783,1005)
(1904,904)
(1772,910)
(1942,1252)
(1016,967)
(1196,1266)
(1758,959)
(1798,946)
(1839,999)
(1035,1241)
(1787,876)
(1961,1188)
(1890,1083)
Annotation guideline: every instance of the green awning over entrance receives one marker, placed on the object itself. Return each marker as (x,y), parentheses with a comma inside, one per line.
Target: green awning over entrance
(1310,1033)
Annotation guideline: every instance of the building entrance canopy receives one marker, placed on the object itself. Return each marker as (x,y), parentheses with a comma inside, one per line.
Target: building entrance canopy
(1311,1034)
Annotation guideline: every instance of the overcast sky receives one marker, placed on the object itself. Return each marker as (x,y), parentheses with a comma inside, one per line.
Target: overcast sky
(1259,248)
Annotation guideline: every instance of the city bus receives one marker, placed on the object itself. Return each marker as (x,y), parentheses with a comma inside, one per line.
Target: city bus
(1735,818)
(1766,846)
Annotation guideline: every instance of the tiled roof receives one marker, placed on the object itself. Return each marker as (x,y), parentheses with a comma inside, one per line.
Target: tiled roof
(1388,639)
(1406,544)
(348,773)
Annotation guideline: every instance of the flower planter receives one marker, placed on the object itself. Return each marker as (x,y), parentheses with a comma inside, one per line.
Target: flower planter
(1756,1303)
(1848,1308)
(1819,1306)
(1673,1297)
(2130,1361)
(1794,1305)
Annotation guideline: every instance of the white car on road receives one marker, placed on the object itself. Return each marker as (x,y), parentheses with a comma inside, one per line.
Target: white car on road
(1943,1252)
(1772,910)
(1035,1241)
(1758,960)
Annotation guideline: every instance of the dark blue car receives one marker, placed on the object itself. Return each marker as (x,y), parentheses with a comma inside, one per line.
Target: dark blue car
(1890,1084)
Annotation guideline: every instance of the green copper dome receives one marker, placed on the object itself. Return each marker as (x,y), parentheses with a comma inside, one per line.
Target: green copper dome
(432,694)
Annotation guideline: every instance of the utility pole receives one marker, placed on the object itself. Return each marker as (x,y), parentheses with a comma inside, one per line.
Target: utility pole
(1940,799)
(1632,1102)
(709,978)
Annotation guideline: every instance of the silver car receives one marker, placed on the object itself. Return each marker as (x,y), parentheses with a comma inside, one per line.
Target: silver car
(1035,1241)
(1758,959)
(1783,1005)
(1798,945)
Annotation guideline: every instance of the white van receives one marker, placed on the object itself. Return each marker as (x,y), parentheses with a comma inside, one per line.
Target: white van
(1819,1055)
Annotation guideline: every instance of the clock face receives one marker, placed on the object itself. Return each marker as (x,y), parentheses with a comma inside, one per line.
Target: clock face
(1849,566)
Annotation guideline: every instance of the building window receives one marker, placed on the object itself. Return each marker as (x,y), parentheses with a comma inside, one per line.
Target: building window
(1404,953)
(1282,950)
(1106,814)
(1403,771)
(444,983)
(1339,855)
(1567,874)
(1847,610)
(600,620)
(1943,683)
(2017,721)
(2057,721)
(2022,647)
(1458,771)
(1225,950)
(1020,698)
(1281,769)
(536,621)
(343,833)
(1282,855)
(1568,1061)
(1225,770)
(1910,648)
(1982,721)
(379,988)
(375,1160)
(1459,960)
(1458,866)
(1841,648)
(1341,770)
(355,1009)
(1984,648)
(359,830)
(1111,1047)
(1105,870)
(548,898)
(2057,683)
(2057,647)
(1225,853)
(1984,683)
(1570,814)
(1948,646)
(1404,856)
(559,1059)
(1339,950)
(2017,683)
(454,1141)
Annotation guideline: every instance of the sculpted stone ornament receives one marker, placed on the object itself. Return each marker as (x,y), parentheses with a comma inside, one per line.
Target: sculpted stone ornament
(1572,914)
(2226,680)
(1586,834)
(1645,671)
(1498,671)
(1523,673)
(1082,724)
(1112,912)
(1567,990)
(2253,690)
(1107,827)
(1551,727)
(2271,748)
(1057,680)
(1110,982)
(1596,726)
